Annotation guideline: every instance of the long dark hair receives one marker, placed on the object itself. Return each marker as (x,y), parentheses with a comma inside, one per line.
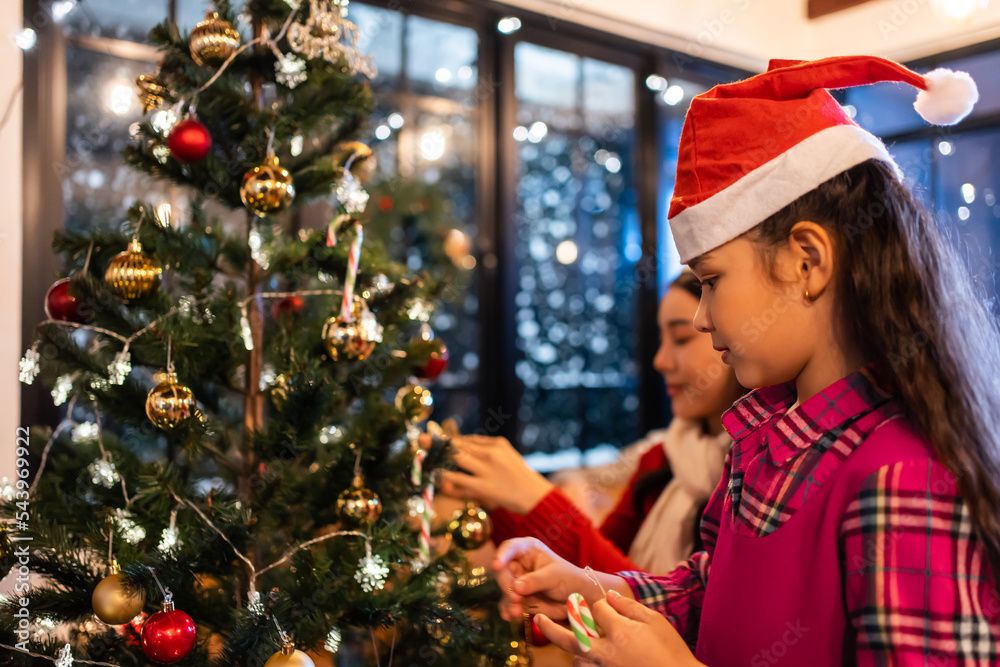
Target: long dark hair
(911,306)
(652,482)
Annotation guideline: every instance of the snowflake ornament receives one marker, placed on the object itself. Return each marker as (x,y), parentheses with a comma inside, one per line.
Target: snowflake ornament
(64,385)
(103,473)
(120,368)
(372,573)
(29,365)
(332,643)
(290,70)
(352,195)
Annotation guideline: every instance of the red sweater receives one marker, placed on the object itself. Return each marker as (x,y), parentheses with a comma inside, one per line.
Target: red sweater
(560,524)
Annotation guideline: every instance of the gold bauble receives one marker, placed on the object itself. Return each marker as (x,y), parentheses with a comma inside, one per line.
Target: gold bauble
(169,403)
(363,166)
(415,402)
(132,275)
(437,629)
(289,656)
(213,40)
(358,506)
(348,340)
(113,602)
(151,92)
(267,188)
(470,528)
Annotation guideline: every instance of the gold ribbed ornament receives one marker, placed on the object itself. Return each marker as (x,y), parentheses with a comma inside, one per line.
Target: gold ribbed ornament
(213,40)
(267,188)
(169,403)
(362,167)
(151,92)
(415,402)
(113,602)
(131,274)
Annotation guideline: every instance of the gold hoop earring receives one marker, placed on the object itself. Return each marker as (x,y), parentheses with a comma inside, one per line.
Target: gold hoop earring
(808,298)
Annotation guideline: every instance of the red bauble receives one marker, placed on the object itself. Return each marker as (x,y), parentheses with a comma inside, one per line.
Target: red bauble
(436,365)
(168,635)
(60,304)
(290,305)
(189,141)
(537,638)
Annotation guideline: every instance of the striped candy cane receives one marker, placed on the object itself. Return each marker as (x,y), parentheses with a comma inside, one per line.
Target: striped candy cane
(581,621)
(352,275)
(417,471)
(425,524)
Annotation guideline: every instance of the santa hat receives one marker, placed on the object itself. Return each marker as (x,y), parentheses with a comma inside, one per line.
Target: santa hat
(750,148)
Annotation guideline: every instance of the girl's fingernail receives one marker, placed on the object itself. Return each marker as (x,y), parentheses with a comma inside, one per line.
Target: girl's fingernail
(614,593)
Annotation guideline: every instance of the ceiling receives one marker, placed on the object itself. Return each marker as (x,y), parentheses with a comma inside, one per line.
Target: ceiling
(746,33)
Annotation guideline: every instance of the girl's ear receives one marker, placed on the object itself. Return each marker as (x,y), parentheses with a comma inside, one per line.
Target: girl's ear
(812,251)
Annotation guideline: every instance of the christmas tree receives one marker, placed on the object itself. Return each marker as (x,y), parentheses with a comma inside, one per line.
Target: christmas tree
(237,479)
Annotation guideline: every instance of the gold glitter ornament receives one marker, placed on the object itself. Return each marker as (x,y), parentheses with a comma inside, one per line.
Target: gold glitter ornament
(151,92)
(213,40)
(415,402)
(267,188)
(349,340)
(470,528)
(113,602)
(169,403)
(131,275)
(358,506)
(362,167)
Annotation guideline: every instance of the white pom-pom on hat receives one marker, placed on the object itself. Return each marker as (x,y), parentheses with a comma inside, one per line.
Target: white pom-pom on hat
(949,97)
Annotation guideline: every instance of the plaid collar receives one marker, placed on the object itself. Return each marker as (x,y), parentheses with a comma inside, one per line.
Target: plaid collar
(794,431)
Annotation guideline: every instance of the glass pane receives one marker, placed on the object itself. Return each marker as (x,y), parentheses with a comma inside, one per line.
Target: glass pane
(440,58)
(130,20)
(885,108)
(672,103)
(968,184)
(577,240)
(101,104)
(381,36)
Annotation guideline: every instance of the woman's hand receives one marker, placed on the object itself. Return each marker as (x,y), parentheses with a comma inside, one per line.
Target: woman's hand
(536,580)
(496,476)
(634,636)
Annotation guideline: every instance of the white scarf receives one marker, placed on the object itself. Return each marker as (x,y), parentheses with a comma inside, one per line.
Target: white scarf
(666,536)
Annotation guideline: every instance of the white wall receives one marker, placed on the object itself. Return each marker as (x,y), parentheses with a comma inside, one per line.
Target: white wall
(746,33)
(10,236)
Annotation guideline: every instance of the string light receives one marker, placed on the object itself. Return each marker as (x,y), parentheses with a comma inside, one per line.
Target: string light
(60,393)
(103,473)
(28,366)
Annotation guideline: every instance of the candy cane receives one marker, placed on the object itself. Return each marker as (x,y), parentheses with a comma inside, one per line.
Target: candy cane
(417,471)
(581,621)
(352,275)
(425,524)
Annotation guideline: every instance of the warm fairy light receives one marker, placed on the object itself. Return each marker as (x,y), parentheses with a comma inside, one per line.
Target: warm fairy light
(566,252)
(673,95)
(509,24)
(432,145)
(656,82)
(958,10)
(120,99)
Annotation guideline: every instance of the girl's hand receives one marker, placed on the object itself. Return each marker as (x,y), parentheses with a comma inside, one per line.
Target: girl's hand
(497,475)
(536,580)
(634,636)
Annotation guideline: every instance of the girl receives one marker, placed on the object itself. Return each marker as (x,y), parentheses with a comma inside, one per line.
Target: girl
(656,522)
(857,522)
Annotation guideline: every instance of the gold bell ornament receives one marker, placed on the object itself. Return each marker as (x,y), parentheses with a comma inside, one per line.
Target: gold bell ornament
(267,188)
(363,164)
(415,402)
(132,274)
(470,528)
(213,40)
(169,403)
(113,602)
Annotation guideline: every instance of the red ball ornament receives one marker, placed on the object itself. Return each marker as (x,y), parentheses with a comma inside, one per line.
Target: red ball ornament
(290,305)
(537,638)
(60,304)
(436,364)
(168,635)
(189,141)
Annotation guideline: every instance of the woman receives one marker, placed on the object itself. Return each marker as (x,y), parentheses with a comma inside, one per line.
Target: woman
(655,524)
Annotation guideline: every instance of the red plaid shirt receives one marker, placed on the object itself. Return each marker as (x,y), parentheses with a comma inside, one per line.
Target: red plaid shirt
(771,476)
